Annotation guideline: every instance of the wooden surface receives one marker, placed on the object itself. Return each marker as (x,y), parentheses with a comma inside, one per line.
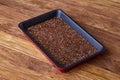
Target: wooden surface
(20,60)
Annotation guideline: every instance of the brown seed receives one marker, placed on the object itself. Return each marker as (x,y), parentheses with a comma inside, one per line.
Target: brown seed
(61,42)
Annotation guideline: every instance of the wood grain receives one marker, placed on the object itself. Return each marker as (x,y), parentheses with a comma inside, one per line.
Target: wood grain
(21,60)
(15,65)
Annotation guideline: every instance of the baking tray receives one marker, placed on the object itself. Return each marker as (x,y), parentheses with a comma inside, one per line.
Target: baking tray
(61,14)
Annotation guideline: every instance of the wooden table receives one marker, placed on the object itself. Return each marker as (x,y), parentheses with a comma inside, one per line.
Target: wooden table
(20,60)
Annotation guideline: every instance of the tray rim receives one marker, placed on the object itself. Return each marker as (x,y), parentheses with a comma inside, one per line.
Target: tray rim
(62,69)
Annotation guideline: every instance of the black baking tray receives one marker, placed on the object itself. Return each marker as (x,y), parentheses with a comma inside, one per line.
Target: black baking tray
(61,14)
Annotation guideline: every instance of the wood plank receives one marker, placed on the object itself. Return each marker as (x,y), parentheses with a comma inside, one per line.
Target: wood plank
(9,23)
(15,65)
(20,45)
(86,13)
